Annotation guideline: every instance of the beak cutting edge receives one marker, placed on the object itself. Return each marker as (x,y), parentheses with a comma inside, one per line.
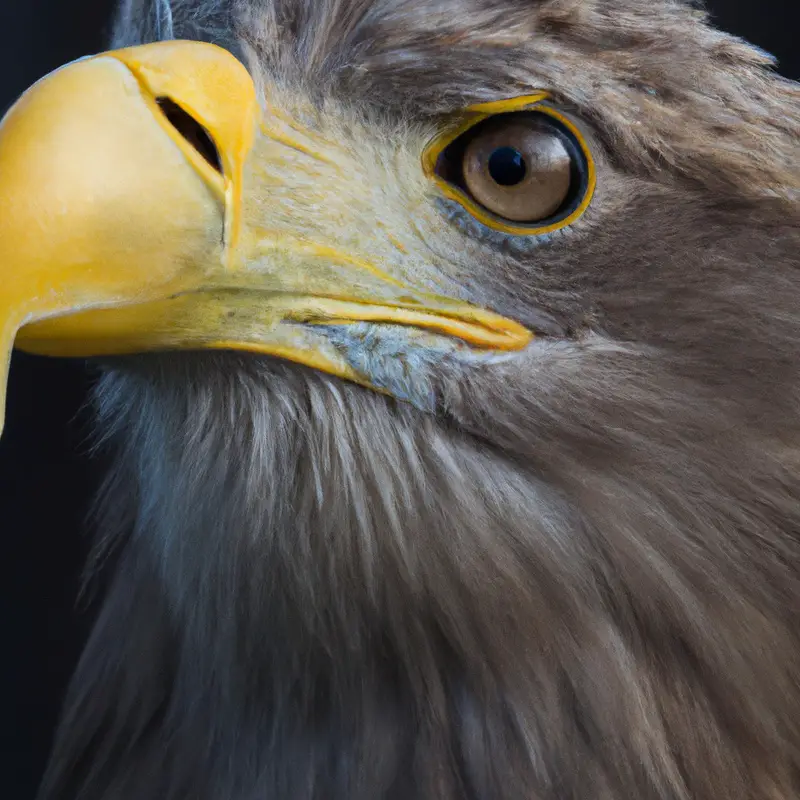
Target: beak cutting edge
(121,229)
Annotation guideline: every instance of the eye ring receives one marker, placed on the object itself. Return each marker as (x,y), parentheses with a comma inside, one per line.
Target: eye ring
(444,163)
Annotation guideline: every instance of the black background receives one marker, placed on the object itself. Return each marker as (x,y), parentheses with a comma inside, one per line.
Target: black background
(46,472)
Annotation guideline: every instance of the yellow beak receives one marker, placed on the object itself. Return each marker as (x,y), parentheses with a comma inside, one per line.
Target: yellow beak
(121,180)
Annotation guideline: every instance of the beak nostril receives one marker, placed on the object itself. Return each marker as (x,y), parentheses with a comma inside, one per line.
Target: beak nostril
(191,130)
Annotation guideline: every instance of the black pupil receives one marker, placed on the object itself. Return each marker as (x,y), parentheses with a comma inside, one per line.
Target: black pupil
(507,166)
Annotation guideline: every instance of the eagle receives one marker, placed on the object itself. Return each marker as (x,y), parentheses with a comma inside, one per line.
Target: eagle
(448,356)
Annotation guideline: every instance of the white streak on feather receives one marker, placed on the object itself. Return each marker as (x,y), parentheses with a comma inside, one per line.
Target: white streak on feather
(164,25)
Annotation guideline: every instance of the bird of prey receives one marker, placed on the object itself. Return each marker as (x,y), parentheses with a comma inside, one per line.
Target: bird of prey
(448,352)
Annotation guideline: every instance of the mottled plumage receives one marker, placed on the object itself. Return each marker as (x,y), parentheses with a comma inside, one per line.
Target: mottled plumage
(572,572)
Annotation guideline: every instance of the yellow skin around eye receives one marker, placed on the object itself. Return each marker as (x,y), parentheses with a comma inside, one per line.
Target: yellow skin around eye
(477,113)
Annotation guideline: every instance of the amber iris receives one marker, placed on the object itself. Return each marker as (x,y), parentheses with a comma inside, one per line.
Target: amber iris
(518,167)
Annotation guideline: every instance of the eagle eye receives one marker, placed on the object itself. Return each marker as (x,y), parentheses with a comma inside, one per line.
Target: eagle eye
(523,172)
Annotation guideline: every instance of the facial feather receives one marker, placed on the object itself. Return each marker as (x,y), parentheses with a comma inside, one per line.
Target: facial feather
(571,572)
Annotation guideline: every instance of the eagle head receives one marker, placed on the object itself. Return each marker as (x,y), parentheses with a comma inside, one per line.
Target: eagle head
(448,353)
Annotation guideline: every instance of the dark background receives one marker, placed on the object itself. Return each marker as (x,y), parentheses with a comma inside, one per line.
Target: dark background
(46,473)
